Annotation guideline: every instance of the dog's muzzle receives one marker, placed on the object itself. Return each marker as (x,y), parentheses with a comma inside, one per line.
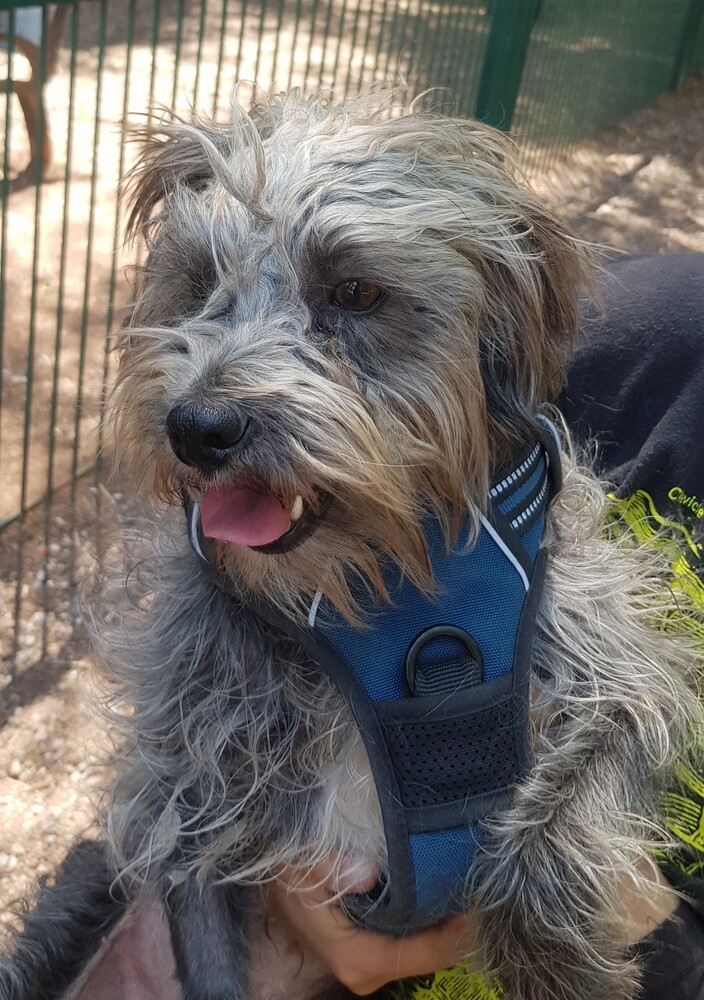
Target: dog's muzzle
(439,688)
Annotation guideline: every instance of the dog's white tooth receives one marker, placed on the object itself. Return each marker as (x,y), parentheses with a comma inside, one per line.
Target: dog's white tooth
(297,508)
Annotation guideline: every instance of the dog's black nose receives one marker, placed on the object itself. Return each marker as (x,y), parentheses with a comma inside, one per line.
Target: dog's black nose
(206,436)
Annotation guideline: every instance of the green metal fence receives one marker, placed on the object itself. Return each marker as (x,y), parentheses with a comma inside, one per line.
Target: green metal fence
(589,64)
(557,71)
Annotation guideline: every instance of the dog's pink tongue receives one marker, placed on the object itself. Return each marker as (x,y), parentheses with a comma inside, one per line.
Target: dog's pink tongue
(235,514)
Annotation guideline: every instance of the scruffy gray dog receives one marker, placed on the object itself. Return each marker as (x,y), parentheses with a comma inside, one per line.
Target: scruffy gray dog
(349,319)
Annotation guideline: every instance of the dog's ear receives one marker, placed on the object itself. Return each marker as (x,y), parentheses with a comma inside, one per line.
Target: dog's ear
(533,284)
(171,156)
(523,312)
(176,156)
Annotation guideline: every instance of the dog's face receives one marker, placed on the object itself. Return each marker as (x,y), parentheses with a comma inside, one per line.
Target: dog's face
(345,320)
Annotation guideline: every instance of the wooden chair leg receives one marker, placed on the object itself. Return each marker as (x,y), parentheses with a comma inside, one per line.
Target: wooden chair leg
(31,97)
(32,104)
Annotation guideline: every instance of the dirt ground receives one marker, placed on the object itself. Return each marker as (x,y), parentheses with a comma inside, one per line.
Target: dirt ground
(639,188)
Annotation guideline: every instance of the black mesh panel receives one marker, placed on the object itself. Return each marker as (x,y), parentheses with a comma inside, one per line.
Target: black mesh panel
(448,760)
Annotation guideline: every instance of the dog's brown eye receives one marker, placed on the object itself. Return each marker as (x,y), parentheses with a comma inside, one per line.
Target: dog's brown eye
(357,295)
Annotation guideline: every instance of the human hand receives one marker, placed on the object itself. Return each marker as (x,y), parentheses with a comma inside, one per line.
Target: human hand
(363,961)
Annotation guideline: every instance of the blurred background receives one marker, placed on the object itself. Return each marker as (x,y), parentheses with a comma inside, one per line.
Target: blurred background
(605,98)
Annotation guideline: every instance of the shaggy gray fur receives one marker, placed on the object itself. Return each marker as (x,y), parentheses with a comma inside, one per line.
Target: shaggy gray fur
(240,755)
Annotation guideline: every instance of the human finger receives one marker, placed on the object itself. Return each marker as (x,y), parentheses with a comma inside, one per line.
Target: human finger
(360,959)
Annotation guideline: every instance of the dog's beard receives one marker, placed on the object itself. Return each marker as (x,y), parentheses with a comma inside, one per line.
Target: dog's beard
(363,468)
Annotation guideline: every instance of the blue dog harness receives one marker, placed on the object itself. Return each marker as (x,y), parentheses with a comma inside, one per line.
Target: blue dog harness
(439,687)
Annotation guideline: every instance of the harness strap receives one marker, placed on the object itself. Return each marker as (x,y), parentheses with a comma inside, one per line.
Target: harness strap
(439,688)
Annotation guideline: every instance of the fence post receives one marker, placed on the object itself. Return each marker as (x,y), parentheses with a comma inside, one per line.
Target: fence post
(688,40)
(506,48)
